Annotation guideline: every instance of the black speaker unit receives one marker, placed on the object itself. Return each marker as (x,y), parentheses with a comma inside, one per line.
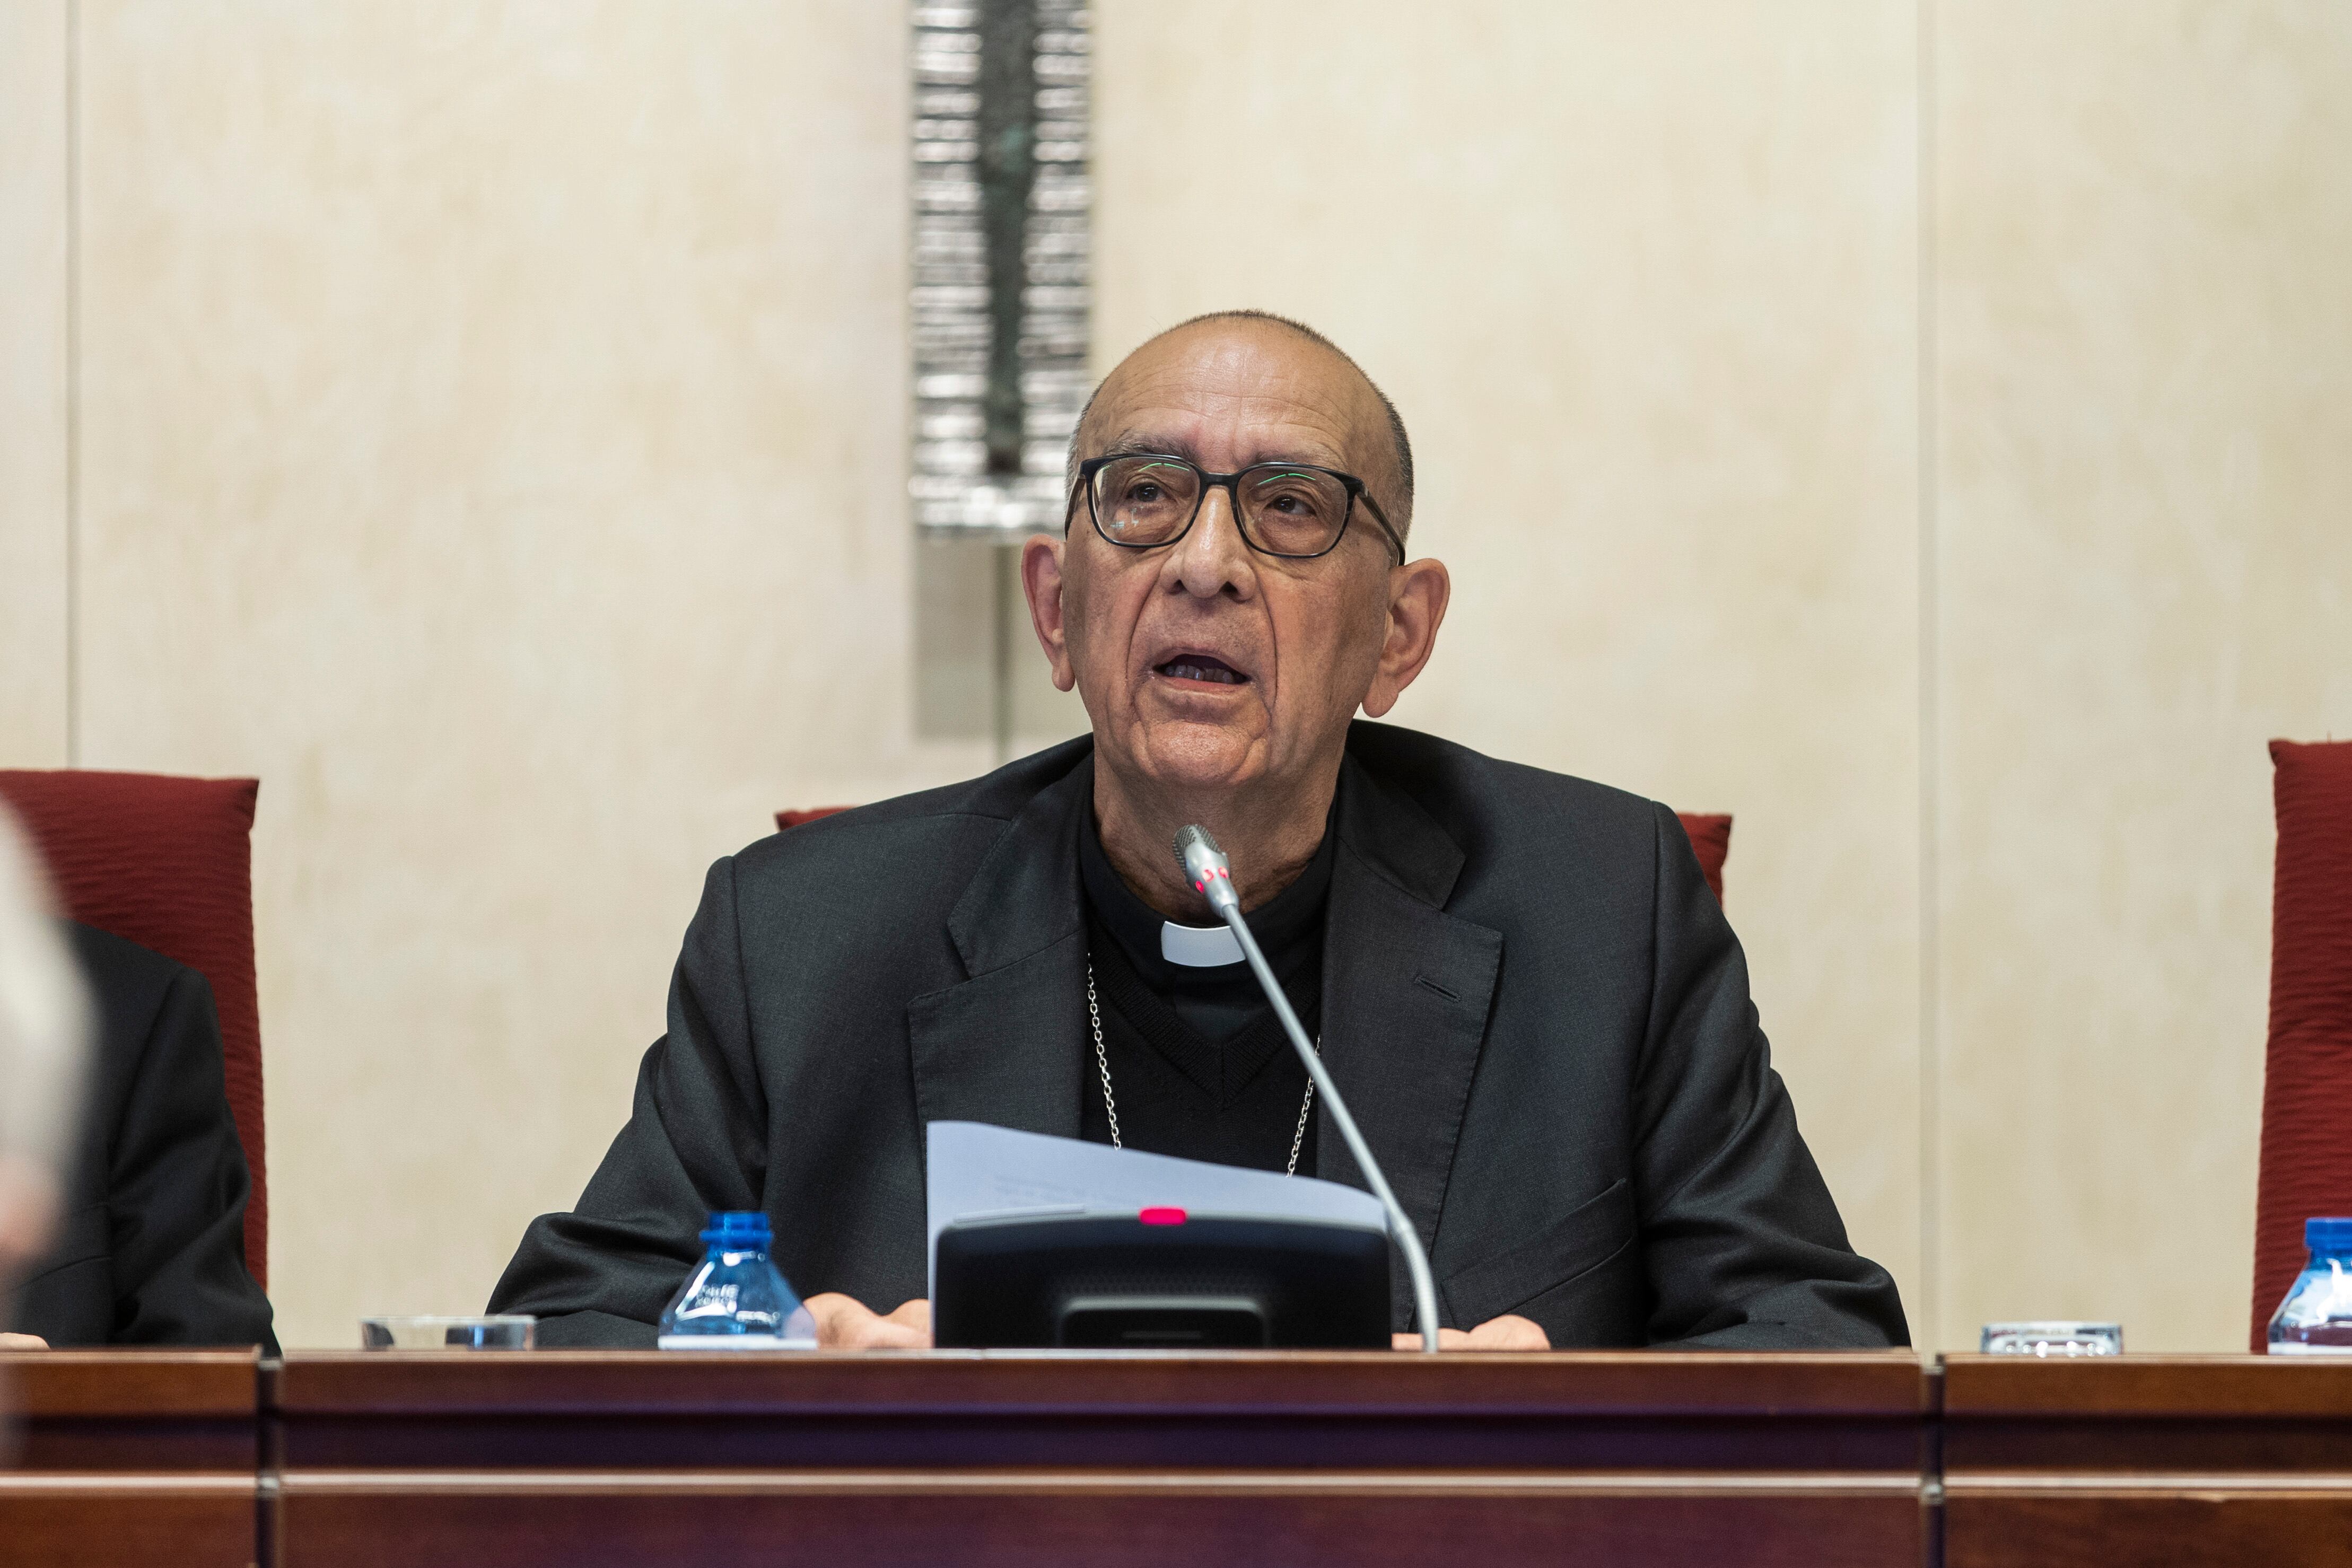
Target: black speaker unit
(1159,1279)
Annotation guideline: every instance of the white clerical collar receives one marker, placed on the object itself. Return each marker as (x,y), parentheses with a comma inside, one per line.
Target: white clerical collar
(1199,946)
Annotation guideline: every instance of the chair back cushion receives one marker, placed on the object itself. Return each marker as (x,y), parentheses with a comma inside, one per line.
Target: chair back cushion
(2306,1168)
(167,863)
(1710,837)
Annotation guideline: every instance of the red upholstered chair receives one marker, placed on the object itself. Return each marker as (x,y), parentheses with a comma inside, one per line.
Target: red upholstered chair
(2306,1167)
(167,864)
(1710,837)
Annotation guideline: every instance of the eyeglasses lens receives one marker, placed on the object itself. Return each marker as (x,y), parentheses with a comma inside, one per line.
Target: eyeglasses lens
(1292,511)
(1145,501)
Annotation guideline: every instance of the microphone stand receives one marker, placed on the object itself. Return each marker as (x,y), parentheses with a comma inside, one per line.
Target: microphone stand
(1221,897)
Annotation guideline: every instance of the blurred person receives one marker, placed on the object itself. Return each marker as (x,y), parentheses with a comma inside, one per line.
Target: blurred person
(44,1030)
(1536,1011)
(150,1246)
(147,1184)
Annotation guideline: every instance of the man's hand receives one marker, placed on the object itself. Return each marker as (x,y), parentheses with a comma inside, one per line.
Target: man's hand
(846,1324)
(28,1209)
(1506,1333)
(23,1342)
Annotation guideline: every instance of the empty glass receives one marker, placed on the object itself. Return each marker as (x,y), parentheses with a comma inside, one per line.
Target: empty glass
(514,1332)
(2053,1339)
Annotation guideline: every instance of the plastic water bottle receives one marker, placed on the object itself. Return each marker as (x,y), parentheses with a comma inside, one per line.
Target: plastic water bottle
(735,1299)
(2316,1319)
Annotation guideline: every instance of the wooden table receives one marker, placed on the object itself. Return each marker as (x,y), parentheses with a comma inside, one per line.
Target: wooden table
(983,1459)
(961,1457)
(130,1456)
(2181,1460)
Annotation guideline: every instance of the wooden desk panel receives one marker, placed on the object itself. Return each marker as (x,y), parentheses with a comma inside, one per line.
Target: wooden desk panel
(130,1456)
(1126,1519)
(978,1458)
(949,1408)
(2155,1459)
(145,1457)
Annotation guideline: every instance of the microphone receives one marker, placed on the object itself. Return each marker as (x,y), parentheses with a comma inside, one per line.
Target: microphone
(1211,875)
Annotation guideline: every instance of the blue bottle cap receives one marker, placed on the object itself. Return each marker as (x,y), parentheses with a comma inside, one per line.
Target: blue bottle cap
(2328,1235)
(739,1230)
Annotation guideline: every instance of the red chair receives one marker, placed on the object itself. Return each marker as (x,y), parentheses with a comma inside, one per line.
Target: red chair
(168,864)
(2306,1161)
(1710,837)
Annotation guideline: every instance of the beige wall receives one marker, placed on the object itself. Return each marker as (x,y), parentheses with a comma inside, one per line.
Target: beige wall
(488,428)
(2143,384)
(34,312)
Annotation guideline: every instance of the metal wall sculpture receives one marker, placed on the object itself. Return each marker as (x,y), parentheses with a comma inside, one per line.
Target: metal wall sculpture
(1000,264)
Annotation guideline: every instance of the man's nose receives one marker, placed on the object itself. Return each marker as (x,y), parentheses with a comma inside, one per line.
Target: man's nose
(1212,559)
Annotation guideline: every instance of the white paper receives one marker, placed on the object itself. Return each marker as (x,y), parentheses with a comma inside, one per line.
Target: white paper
(975,1169)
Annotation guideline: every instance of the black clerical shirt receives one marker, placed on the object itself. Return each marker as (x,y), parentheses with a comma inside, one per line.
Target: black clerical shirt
(1200,1066)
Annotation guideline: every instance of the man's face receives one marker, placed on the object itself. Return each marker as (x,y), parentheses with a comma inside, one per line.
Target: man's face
(1205,663)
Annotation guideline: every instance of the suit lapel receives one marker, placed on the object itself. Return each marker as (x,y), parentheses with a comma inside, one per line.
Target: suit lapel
(1406,989)
(1005,1046)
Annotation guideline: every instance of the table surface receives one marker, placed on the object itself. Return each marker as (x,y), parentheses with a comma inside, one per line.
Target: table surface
(1155,1458)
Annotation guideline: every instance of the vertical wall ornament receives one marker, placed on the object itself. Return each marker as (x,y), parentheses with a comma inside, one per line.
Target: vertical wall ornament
(1002,286)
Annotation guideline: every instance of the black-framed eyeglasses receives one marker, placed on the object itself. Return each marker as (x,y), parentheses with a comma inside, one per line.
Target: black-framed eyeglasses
(1145,499)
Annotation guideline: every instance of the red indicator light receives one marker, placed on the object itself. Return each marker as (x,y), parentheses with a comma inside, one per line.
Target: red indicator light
(1162,1215)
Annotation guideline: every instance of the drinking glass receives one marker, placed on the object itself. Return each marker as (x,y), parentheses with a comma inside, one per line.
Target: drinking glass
(2047,1338)
(509,1332)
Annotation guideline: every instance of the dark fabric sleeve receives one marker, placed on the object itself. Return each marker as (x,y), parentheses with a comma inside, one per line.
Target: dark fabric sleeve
(176,1188)
(694,1143)
(1743,1245)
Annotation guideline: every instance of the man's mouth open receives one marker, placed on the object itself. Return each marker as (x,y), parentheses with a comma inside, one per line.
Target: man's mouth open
(1200,667)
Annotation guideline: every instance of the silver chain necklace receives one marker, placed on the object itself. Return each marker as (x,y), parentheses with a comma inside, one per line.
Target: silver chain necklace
(1111,1102)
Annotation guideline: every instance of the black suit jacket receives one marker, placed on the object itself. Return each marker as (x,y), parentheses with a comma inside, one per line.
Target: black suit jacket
(1531,1000)
(152,1250)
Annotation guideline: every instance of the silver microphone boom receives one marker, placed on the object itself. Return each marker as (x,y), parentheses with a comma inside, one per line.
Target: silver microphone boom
(1212,876)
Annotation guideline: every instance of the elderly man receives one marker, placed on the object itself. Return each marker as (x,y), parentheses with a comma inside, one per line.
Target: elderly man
(1532,1002)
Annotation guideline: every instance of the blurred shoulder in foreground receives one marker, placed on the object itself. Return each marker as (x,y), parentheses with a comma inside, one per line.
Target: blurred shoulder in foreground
(150,1246)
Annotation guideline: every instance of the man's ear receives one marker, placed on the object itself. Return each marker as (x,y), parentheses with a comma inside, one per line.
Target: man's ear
(1417,598)
(1042,584)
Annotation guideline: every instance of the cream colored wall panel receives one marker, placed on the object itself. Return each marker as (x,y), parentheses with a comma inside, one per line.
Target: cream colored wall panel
(2145,316)
(495,442)
(33,554)
(1642,280)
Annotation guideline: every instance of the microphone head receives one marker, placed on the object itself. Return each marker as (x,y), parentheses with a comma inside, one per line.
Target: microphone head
(1187,837)
(1205,866)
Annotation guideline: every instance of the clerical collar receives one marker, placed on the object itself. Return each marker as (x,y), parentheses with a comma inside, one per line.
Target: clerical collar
(1199,946)
(1163,951)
